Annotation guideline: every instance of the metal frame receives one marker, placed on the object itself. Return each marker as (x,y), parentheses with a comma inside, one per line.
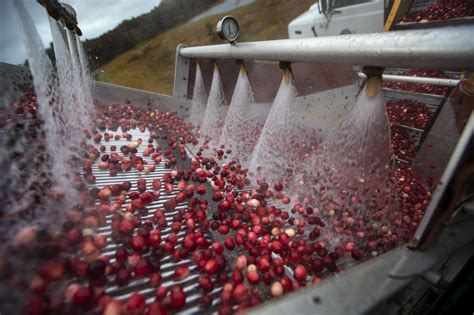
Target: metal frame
(400,49)
(111,93)
(181,74)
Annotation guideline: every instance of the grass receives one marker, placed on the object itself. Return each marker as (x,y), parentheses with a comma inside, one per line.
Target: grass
(150,65)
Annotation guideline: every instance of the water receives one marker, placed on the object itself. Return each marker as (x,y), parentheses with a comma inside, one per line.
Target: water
(82,82)
(241,128)
(216,109)
(64,100)
(67,91)
(48,98)
(349,179)
(41,138)
(275,156)
(87,86)
(34,163)
(198,107)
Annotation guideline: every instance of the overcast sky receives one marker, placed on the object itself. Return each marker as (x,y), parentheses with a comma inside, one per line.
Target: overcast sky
(95,17)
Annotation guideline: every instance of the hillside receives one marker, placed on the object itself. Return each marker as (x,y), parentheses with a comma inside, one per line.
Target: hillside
(150,65)
(130,33)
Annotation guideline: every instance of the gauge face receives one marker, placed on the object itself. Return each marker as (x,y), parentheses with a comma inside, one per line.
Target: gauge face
(228,28)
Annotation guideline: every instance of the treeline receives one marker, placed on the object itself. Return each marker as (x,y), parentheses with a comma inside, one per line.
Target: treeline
(129,33)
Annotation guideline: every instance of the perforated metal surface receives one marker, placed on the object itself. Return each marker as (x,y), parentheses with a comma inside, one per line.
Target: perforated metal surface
(167,265)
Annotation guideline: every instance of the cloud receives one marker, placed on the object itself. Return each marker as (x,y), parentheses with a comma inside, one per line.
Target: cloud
(95,17)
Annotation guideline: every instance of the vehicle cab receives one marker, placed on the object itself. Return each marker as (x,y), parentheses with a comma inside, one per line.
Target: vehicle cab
(336,17)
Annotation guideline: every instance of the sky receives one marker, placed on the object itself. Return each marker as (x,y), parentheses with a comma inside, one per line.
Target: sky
(95,17)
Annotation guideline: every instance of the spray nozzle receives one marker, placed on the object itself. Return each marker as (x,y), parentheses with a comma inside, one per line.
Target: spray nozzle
(286,67)
(241,63)
(374,80)
(60,13)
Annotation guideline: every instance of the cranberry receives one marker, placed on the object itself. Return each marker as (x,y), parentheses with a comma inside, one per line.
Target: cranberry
(178,297)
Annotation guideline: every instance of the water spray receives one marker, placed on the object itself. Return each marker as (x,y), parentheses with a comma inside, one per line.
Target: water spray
(215,109)
(199,102)
(62,13)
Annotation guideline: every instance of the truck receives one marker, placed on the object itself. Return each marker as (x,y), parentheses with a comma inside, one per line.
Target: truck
(337,17)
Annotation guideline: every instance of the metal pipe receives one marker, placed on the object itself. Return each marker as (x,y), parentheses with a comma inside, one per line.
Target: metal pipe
(446,48)
(419,80)
(69,9)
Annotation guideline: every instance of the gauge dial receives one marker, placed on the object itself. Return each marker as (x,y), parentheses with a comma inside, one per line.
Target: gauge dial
(228,28)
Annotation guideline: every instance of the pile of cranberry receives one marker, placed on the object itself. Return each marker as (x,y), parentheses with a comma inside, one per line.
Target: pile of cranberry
(256,235)
(442,10)
(408,113)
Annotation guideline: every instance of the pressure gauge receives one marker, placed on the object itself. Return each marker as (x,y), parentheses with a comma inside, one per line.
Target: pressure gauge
(228,28)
